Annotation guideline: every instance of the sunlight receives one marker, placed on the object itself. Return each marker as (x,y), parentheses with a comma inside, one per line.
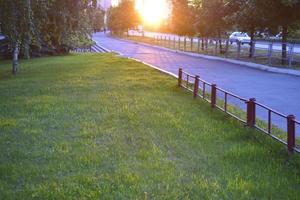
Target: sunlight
(153,12)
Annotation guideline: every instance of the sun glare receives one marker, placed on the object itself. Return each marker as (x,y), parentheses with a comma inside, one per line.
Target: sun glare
(153,12)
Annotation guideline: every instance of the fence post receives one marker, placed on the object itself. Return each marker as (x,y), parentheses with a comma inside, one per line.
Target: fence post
(184,43)
(227,48)
(216,47)
(238,50)
(213,99)
(291,133)
(166,41)
(196,86)
(179,39)
(174,44)
(253,49)
(198,47)
(291,54)
(179,77)
(251,112)
(192,42)
(270,53)
(170,42)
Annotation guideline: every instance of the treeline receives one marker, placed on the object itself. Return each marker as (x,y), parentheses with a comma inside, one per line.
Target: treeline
(123,17)
(215,18)
(39,27)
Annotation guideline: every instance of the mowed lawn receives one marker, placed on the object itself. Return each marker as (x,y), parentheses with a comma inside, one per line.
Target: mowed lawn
(95,126)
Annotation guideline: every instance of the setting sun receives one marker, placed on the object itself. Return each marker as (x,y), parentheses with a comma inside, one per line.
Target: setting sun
(153,12)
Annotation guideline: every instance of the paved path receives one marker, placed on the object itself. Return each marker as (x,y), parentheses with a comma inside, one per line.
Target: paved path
(279,91)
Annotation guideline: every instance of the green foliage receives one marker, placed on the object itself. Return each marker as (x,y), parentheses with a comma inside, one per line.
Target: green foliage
(93,126)
(182,18)
(48,26)
(97,19)
(123,17)
(211,16)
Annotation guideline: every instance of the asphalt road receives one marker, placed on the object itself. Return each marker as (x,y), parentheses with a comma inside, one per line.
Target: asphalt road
(278,91)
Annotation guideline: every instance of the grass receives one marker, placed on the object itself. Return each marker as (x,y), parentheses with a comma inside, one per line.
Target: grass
(91,126)
(261,55)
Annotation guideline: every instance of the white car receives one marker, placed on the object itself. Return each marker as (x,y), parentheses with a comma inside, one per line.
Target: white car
(239,37)
(2,37)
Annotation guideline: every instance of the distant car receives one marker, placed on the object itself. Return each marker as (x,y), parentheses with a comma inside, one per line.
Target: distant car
(2,37)
(239,37)
(4,51)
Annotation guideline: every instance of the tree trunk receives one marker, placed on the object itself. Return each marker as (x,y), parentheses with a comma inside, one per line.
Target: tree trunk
(284,41)
(15,57)
(220,42)
(27,39)
(26,47)
(251,43)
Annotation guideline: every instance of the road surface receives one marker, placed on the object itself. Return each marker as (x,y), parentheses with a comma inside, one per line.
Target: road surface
(279,91)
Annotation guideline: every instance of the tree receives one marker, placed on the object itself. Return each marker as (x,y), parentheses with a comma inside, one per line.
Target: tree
(183,18)
(211,15)
(211,18)
(248,16)
(13,20)
(286,17)
(123,17)
(97,18)
(44,26)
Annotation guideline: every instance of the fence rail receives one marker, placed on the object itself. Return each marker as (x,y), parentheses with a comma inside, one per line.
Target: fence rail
(264,52)
(214,95)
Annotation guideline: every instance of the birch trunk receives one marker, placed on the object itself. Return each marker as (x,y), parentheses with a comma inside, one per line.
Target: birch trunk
(15,58)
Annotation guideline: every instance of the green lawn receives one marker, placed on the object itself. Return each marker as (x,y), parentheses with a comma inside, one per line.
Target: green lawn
(94,126)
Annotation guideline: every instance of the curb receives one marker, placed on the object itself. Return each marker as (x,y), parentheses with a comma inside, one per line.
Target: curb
(148,64)
(105,49)
(242,63)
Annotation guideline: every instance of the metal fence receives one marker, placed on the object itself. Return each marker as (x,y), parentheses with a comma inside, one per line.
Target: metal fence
(81,50)
(263,52)
(219,98)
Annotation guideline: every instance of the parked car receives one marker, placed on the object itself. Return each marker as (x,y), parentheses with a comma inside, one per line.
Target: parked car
(239,37)
(2,37)
(4,51)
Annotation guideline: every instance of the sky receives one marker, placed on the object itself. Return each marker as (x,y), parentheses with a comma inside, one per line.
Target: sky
(153,11)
